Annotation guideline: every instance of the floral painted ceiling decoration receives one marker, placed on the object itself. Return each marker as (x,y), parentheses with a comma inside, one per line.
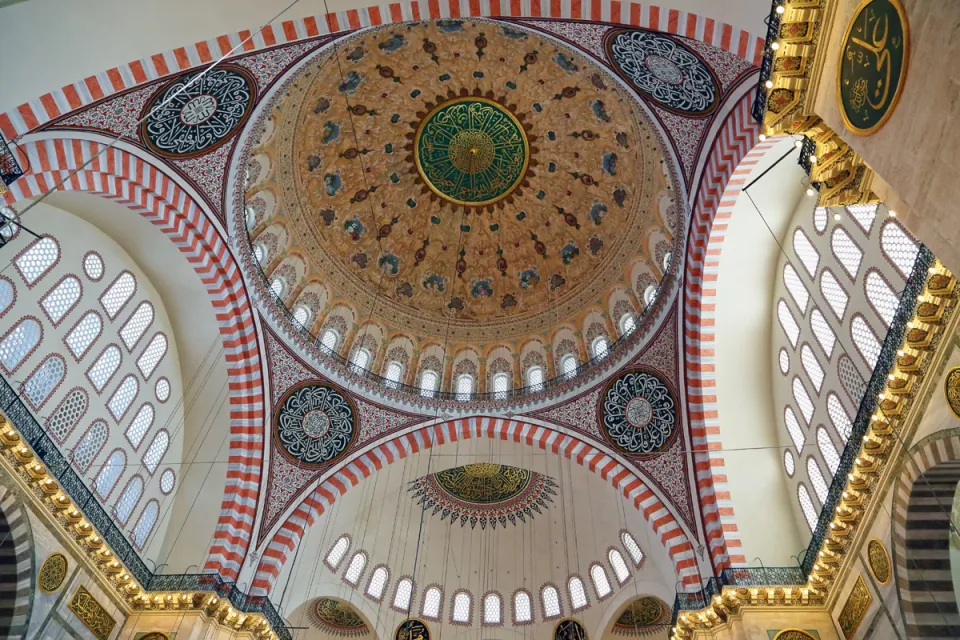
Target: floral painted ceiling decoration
(484,492)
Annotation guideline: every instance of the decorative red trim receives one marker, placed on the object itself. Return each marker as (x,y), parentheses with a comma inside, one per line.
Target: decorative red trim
(72,306)
(543,604)
(96,453)
(63,401)
(126,410)
(453,604)
(160,481)
(143,490)
(78,358)
(43,274)
(413,593)
(366,563)
(146,538)
(106,292)
(103,266)
(106,382)
(586,594)
(386,584)
(335,567)
(103,466)
(483,609)
(606,574)
(26,356)
(513,608)
(423,602)
(46,398)
(146,328)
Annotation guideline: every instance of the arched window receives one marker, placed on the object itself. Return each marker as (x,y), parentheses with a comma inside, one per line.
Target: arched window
(577,593)
(19,342)
(337,552)
(636,554)
(44,380)
(838,416)
(118,293)
(863,215)
(882,298)
(788,323)
(61,299)
(7,295)
(649,295)
(162,389)
(90,445)
(550,601)
(464,386)
(816,479)
(104,367)
(152,355)
(167,480)
(803,400)
(153,456)
(250,215)
(793,428)
(403,595)
(37,259)
(355,569)
(626,324)
(432,600)
(619,566)
(500,384)
(259,252)
(798,290)
(330,339)
(601,584)
(129,499)
(394,373)
(784,358)
(812,366)
(145,524)
(123,397)
(834,294)
(806,252)
(139,426)
(378,583)
(67,414)
(428,383)
(522,607)
(866,340)
(666,261)
(93,266)
(822,332)
(109,474)
(361,357)
(83,334)
(788,462)
(535,377)
(492,609)
(568,365)
(899,247)
(301,314)
(820,219)
(806,505)
(462,608)
(846,251)
(278,286)
(829,452)
(134,328)
(599,347)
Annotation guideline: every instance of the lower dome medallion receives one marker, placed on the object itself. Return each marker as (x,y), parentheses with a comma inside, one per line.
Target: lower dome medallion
(638,413)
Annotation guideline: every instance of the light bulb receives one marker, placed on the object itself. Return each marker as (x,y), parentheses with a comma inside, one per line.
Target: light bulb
(893,214)
(763,137)
(836,216)
(780,10)
(798,144)
(813,159)
(768,84)
(810,191)
(774,45)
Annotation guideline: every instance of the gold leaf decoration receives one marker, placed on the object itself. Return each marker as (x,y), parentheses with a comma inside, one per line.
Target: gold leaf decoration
(794,634)
(643,616)
(92,614)
(53,572)
(879,561)
(338,618)
(951,388)
(855,608)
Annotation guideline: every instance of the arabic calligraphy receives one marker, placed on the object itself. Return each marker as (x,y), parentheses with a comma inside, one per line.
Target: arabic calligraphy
(412,629)
(873,63)
(92,614)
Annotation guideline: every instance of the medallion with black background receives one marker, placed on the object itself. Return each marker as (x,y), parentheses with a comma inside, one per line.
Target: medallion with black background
(315,424)
(638,413)
(197,112)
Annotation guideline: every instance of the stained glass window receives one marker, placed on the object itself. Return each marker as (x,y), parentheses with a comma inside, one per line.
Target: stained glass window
(577,593)
(44,380)
(806,505)
(793,428)
(829,451)
(863,215)
(866,340)
(140,424)
(37,259)
(67,414)
(18,343)
(802,398)
(636,554)
(522,607)
(619,566)
(378,582)
(355,568)
(812,366)
(339,549)
(123,397)
(93,266)
(601,584)
(109,474)
(550,598)
(403,595)
(838,416)
(798,290)
(153,456)
(788,323)
(145,524)
(83,335)
(788,462)
(134,328)
(432,599)
(167,479)
(898,247)
(61,299)
(882,298)
(806,252)
(461,607)
(816,479)
(846,251)
(834,294)
(129,499)
(90,444)
(152,355)
(822,332)
(492,609)
(118,293)
(820,219)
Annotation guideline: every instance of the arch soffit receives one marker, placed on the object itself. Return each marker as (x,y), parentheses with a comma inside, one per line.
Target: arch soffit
(656,510)
(367,609)
(21,535)
(151,191)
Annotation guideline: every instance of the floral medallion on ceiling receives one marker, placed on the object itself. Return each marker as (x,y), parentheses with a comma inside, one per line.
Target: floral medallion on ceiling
(199,111)
(484,492)
(338,618)
(315,424)
(644,616)
(638,413)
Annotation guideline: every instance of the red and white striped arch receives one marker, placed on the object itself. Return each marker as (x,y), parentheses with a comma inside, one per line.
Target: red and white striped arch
(658,515)
(119,175)
(734,154)
(35,113)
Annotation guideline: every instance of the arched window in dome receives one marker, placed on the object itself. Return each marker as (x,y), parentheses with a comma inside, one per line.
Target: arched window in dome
(881,297)
(37,259)
(626,324)
(279,287)
(118,293)
(156,451)
(500,383)
(535,377)
(361,358)
(7,295)
(330,339)
(788,464)
(568,365)
(601,583)
(104,367)
(93,266)
(798,290)
(259,252)
(788,323)
(123,397)
(44,380)
(802,399)
(812,366)
(522,607)
(84,334)
(784,361)
(90,445)
(109,473)
(19,343)
(838,416)
(820,219)
(403,595)
(61,299)
(834,294)
(138,323)
(250,215)
(649,295)
(355,569)
(432,601)
(65,417)
(428,383)
(828,450)
(152,355)
(337,552)
(577,593)
(128,499)
(865,340)
(145,523)
(492,610)
(619,566)
(666,261)
(599,347)
(462,608)
(394,373)
(822,332)
(301,314)
(809,257)
(139,426)
(464,386)
(378,583)
(846,251)
(636,553)
(863,215)
(816,479)
(550,601)
(899,247)
(793,428)
(167,480)
(806,505)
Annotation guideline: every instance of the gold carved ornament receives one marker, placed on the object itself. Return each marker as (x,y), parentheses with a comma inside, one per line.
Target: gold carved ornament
(52,573)
(879,561)
(154,635)
(794,634)
(951,390)
(855,608)
(92,614)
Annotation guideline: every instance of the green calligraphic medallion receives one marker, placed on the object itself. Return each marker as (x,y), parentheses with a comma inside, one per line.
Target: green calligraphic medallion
(471,151)
(873,65)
